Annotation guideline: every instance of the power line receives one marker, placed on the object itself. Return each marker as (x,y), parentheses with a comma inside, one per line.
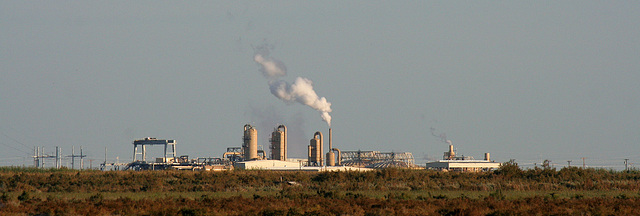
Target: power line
(11,158)
(15,140)
(4,144)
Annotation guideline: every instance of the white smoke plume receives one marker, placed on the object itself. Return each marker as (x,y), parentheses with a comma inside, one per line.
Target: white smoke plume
(301,90)
(442,136)
(271,68)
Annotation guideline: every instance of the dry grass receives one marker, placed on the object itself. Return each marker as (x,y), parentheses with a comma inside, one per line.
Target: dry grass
(383,192)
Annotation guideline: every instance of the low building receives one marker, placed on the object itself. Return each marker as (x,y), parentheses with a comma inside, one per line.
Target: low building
(451,162)
(277,165)
(463,165)
(266,164)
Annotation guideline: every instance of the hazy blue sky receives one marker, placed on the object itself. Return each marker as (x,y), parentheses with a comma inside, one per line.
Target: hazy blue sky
(528,80)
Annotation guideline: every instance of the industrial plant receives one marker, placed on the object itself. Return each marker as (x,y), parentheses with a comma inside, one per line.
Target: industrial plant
(251,156)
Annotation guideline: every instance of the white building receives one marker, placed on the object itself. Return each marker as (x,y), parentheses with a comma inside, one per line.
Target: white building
(451,162)
(463,165)
(267,164)
(277,165)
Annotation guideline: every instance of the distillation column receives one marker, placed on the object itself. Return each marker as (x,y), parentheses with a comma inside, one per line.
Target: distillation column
(250,143)
(315,149)
(279,143)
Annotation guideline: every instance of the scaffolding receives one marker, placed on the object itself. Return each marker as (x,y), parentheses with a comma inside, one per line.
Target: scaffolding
(376,159)
(153,141)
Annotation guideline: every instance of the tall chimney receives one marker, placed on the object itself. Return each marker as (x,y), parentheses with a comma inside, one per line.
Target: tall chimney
(330,140)
(331,157)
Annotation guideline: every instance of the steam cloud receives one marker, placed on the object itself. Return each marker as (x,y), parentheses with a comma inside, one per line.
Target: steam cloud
(442,136)
(271,68)
(301,90)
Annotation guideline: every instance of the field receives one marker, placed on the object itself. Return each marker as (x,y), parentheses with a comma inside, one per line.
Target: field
(507,191)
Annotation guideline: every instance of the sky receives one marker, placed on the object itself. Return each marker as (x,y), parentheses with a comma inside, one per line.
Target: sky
(523,80)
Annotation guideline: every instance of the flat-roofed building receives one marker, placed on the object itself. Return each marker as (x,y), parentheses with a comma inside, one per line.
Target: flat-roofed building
(451,162)
(463,165)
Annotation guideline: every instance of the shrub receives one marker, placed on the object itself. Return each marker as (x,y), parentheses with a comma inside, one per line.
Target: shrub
(509,169)
(24,196)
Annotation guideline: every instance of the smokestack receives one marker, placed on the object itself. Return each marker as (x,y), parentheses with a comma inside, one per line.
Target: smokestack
(450,154)
(330,140)
(331,157)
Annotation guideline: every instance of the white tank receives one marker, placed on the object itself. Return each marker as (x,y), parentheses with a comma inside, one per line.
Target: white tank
(250,144)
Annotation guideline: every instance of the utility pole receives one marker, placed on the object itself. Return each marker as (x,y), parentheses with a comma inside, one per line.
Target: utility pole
(583,164)
(104,165)
(74,156)
(36,156)
(42,156)
(57,157)
(626,163)
(81,159)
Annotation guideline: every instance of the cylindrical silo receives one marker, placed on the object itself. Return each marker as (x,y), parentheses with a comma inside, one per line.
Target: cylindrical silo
(315,147)
(313,156)
(279,143)
(331,159)
(487,157)
(250,143)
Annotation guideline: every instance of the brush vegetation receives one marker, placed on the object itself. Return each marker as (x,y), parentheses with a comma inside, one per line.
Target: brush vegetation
(506,191)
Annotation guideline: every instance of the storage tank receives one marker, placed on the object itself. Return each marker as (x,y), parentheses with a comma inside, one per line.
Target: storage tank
(487,157)
(279,143)
(250,143)
(315,149)
(331,159)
